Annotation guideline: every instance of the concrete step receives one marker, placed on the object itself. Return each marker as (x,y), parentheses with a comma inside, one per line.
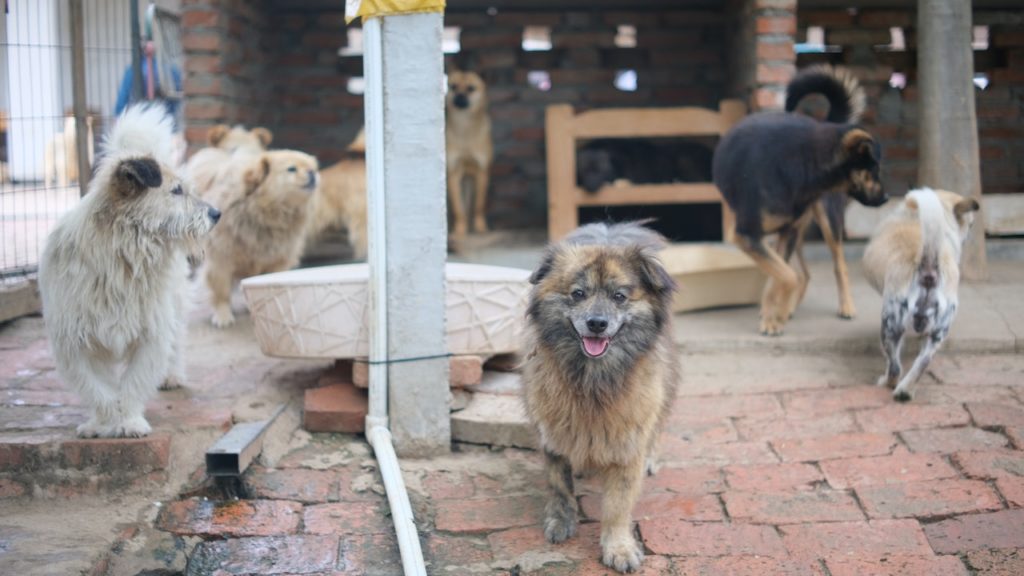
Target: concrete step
(494,419)
(49,463)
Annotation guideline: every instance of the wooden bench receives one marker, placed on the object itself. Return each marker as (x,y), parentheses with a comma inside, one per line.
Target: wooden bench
(564,128)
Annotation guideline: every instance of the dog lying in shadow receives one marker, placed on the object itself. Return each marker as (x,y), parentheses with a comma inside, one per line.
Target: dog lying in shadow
(606,161)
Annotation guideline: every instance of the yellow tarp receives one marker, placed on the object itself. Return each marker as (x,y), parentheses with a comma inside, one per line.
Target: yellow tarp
(370,8)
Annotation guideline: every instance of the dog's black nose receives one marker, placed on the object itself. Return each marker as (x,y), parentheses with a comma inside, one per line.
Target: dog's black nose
(214,214)
(460,100)
(597,324)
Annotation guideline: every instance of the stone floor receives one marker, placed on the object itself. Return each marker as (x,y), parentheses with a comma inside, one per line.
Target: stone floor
(779,458)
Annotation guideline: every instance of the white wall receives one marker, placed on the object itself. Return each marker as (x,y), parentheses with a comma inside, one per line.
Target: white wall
(32,88)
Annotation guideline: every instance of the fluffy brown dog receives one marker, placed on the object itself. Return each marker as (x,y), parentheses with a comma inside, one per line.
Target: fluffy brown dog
(913,260)
(342,197)
(226,144)
(601,373)
(265,216)
(469,147)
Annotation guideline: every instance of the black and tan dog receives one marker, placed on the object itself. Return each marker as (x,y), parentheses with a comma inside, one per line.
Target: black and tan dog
(601,373)
(774,168)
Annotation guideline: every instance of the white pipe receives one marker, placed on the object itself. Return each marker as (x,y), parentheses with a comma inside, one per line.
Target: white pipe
(377,432)
(373,98)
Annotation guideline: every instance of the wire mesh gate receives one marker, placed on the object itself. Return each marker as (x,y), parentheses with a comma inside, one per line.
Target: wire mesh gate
(67,67)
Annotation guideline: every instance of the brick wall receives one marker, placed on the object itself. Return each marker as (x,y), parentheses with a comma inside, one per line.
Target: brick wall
(226,65)
(679,59)
(892,112)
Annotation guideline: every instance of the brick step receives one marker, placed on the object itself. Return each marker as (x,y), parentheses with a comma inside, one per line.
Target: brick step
(465,370)
(340,403)
(55,463)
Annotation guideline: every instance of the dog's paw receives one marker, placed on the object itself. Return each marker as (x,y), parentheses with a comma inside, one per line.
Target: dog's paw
(480,225)
(131,428)
(771,327)
(903,395)
(651,466)
(172,382)
(90,429)
(559,528)
(222,318)
(622,555)
(459,230)
(885,382)
(848,312)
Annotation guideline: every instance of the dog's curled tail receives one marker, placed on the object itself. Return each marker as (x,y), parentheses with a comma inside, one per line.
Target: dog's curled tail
(838,85)
(931,215)
(143,130)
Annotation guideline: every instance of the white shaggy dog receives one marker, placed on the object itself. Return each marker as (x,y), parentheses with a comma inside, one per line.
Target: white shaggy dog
(113,276)
(913,260)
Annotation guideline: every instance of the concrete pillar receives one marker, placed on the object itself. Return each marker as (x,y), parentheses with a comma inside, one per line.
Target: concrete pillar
(948,131)
(408,179)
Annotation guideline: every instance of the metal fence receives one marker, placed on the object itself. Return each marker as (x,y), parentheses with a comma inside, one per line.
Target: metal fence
(67,67)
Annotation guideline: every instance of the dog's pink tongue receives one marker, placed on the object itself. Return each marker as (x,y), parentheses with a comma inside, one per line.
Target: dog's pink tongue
(595,346)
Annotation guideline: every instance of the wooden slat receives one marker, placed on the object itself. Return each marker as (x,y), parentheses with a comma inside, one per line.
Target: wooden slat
(561,152)
(564,128)
(649,194)
(648,122)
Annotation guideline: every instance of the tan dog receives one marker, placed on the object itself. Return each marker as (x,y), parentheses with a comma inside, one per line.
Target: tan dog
(113,277)
(60,160)
(342,197)
(266,208)
(226,145)
(601,374)
(913,260)
(469,148)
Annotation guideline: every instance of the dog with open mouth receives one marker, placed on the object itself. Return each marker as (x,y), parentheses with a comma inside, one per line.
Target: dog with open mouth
(601,373)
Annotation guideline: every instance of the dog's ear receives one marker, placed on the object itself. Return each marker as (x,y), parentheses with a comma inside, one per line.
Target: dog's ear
(217,133)
(546,264)
(263,135)
(138,174)
(652,273)
(256,174)
(964,206)
(858,144)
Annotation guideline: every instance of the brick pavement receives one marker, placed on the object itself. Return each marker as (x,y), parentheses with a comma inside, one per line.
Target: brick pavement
(823,480)
(786,474)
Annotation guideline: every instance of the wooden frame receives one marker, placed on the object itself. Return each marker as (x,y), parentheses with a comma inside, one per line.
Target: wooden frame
(563,128)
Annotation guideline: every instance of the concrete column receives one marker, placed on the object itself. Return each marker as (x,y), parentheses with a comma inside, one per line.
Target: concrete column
(948,131)
(415,225)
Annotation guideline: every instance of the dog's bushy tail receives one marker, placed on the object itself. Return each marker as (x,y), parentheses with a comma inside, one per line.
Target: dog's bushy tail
(846,99)
(931,215)
(143,130)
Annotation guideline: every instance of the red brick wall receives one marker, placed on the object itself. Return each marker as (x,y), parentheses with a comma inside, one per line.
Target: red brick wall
(226,67)
(892,113)
(679,58)
(302,97)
